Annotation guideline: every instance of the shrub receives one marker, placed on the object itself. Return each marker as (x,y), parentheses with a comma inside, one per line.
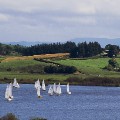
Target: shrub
(70,69)
(9,69)
(9,116)
(60,69)
(112,65)
(50,69)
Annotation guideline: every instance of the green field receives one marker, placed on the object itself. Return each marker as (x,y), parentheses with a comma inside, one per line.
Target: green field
(21,69)
(17,64)
(91,66)
(28,71)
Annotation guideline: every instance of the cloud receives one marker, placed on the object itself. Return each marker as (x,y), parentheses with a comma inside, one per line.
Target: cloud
(107,7)
(4,17)
(48,5)
(59,19)
(77,6)
(81,20)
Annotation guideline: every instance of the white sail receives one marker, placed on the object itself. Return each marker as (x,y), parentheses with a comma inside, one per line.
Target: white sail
(43,85)
(38,92)
(68,89)
(58,91)
(37,84)
(15,83)
(8,92)
(50,91)
(54,88)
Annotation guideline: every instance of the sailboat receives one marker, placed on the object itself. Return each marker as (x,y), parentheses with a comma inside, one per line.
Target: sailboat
(43,85)
(50,91)
(37,84)
(15,84)
(68,89)
(38,92)
(58,90)
(8,92)
(54,88)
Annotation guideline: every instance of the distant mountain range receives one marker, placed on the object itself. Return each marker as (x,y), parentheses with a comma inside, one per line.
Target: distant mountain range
(23,43)
(102,41)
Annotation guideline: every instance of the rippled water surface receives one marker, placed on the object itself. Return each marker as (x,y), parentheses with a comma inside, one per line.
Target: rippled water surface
(85,103)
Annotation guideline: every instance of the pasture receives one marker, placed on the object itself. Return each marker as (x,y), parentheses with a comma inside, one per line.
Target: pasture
(91,67)
(29,70)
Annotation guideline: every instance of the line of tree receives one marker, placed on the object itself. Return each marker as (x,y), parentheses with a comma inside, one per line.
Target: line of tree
(11,49)
(86,50)
(76,50)
(49,48)
(79,50)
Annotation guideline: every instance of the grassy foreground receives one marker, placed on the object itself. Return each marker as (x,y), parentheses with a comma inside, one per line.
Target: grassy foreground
(90,71)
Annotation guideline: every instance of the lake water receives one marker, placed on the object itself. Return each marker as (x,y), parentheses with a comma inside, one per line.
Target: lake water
(85,103)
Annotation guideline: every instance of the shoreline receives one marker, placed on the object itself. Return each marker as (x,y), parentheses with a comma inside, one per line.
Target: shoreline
(76,81)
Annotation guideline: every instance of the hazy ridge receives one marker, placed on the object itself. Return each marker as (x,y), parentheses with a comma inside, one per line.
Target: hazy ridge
(102,41)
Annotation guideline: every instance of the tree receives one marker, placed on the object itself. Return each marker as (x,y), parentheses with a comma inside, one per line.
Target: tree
(113,64)
(113,50)
(82,49)
(74,52)
(86,49)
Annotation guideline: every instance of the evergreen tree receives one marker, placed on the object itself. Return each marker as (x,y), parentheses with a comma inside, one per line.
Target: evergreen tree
(113,50)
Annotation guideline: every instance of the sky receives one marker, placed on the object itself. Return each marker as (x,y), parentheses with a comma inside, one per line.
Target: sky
(58,20)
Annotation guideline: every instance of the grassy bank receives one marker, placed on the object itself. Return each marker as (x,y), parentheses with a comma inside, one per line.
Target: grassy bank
(94,81)
(91,67)
(90,72)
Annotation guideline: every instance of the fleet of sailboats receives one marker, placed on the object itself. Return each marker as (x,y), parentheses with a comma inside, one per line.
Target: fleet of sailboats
(53,89)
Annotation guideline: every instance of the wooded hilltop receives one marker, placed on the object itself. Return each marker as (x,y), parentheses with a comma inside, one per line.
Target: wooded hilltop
(80,50)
